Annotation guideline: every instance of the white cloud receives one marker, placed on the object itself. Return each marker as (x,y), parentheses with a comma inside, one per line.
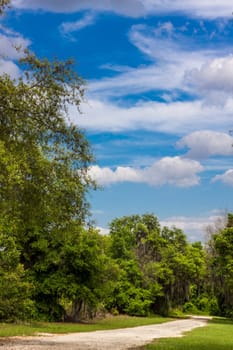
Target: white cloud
(173,170)
(135,8)
(156,42)
(213,77)
(195,227)
(132,8)
(10,42)
(226,177)
(168,170)
(165,28)
(139,80)
(206,143)
(8,45)
(170,55)
(199,8)
(9,68)
(175,117)
(216,74)
(70,27)
(105,176)
(103,231)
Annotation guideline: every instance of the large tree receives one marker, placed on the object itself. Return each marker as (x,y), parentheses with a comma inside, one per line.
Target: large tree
(221,266)
(44,173)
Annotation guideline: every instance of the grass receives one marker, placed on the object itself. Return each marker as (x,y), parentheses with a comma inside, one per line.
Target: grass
(218,335)
(8,330)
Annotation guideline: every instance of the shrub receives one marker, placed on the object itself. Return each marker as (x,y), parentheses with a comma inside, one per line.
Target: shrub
(189,307)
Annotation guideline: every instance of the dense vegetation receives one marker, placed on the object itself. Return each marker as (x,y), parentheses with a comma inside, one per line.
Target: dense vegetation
(53,264)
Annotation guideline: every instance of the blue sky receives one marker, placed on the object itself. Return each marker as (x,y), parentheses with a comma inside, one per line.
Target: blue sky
(159,99)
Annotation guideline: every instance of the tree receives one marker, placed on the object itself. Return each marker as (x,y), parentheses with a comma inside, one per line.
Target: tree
(34,127)
(129,248)
(44,174)
(70,280)
(221,266)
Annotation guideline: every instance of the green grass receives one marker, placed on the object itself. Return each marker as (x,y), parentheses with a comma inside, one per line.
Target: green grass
(218,335)
(8,330)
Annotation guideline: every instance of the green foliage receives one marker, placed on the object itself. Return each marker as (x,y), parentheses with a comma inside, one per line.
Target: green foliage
(213,307)
(85,268)
(53,266)
(130,299)
(158,266)
(221,266)
(15,292)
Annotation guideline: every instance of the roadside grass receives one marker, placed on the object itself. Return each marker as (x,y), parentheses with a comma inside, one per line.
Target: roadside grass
(112,322)
(217,335)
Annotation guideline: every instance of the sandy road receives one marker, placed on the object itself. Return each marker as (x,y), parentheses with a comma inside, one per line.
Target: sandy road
(119,339)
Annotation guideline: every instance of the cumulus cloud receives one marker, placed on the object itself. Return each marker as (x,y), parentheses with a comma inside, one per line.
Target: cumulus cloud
(226,177)
(206,143)
(214,76)
(70,27)
(135,8)
(174,171)
(105,176)
(168,170)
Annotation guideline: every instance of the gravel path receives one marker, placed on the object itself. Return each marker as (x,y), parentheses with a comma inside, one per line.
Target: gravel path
(119,339)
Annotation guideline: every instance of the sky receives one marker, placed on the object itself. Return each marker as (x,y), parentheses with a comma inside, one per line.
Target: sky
(158,110)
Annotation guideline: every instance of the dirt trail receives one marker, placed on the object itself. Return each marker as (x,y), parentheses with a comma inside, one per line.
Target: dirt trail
(119,339)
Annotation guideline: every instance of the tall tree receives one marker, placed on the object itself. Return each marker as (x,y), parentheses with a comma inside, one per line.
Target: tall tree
(221,265)
(44,174)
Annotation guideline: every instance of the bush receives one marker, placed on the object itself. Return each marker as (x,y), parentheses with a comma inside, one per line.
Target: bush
(213,307)
(203,304)
(189,307)
(138,307)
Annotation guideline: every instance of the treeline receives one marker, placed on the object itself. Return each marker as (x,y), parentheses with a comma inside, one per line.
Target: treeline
(138,269)
(160,272)
(54,265)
